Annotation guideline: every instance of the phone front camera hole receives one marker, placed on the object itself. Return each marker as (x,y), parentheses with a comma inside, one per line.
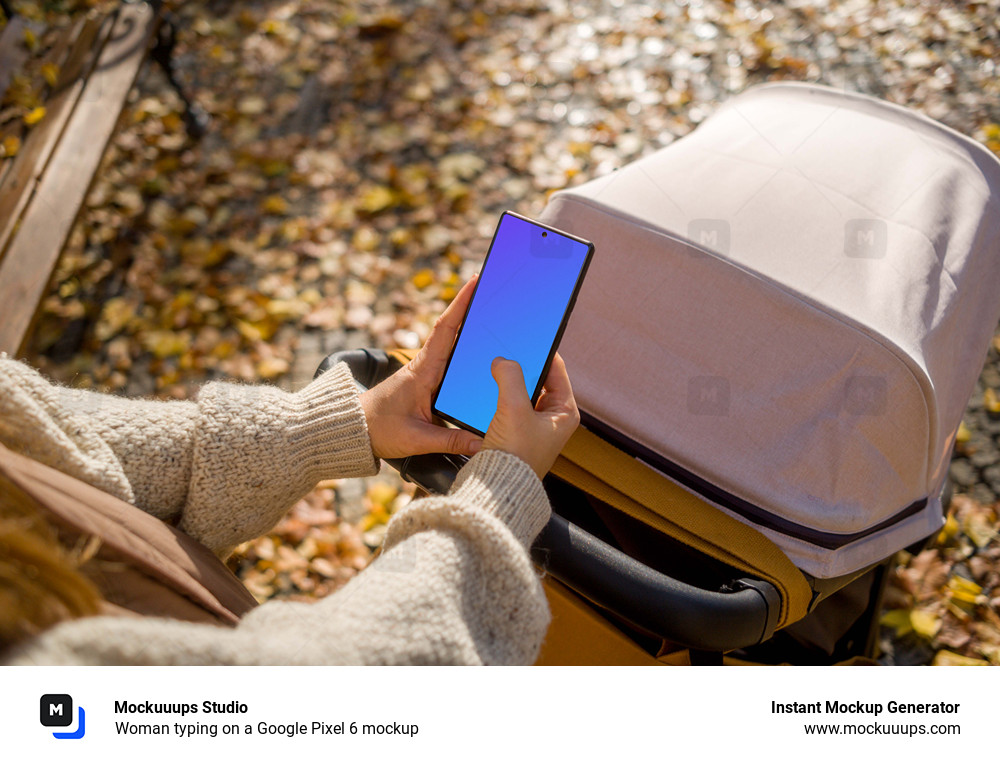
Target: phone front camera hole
(545,234)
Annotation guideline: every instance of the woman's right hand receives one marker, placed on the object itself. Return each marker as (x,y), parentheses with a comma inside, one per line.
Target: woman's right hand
(536,435)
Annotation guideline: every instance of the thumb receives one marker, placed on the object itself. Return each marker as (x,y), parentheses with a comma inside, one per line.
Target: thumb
(510,380)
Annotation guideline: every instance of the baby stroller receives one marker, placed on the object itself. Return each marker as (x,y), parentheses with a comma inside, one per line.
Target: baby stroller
(784,319)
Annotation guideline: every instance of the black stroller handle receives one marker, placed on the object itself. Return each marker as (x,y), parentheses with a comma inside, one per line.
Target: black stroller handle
(744,614)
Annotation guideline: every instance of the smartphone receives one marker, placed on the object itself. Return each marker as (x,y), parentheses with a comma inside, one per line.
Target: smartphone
(519,309)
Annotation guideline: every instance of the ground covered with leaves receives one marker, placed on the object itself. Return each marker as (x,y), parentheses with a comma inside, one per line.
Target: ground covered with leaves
(358,157)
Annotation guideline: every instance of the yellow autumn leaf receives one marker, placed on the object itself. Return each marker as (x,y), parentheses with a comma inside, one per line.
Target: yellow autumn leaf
(273,27)
(287,309)
(216,254)
(115,314)
(11,145)
(35,116)
(50,71)
(250,331)
(381,495)
(224,349)
(925,623)
(163,343)
(963,590)
(423,278)
(377,517)
(275,205)
(898,620)
(172,122)
(167,379)
(991,401)
(944,658)
(964,434)
(272,367)
(30,39)
(980,527)
(376,198)
(948,531)
(400,236)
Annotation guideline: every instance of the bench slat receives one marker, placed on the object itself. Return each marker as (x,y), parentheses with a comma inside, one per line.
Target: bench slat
(26,270)
(18,184)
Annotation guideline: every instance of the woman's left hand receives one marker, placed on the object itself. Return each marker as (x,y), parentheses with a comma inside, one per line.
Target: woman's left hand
(398,410)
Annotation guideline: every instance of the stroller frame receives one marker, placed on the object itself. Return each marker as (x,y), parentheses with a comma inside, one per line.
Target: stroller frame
(657,612)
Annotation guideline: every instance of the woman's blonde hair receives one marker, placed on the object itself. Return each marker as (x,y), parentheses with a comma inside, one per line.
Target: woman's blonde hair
(40,583)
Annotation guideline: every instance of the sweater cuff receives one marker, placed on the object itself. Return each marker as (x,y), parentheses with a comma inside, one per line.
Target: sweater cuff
(506,487)
(327,431)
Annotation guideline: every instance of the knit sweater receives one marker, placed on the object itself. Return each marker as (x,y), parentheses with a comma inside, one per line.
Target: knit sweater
(454,583)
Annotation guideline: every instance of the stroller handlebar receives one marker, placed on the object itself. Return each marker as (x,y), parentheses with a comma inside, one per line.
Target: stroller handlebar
(703,620)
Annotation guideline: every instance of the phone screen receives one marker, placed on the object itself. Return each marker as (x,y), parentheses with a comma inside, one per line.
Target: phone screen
(522,301)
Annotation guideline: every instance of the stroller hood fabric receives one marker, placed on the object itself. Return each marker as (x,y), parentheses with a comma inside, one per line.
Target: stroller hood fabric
(787,312)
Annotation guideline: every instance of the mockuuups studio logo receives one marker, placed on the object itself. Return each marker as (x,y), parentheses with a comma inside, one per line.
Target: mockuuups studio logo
(708,395)
(57,710)
(865,238)
(710,233)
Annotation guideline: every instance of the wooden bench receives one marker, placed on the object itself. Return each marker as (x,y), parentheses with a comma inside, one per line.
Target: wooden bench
(94,63)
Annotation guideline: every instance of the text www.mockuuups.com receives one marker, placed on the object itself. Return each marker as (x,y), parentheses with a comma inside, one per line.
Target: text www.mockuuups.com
(892,729)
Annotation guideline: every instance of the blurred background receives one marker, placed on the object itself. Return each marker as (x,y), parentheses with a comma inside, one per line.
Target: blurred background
(357,159)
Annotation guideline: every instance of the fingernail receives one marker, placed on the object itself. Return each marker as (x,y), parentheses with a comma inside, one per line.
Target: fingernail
(475,446)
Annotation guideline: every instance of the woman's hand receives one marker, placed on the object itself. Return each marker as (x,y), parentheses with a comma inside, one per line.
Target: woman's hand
(534,435)
(398,410)
(400,421)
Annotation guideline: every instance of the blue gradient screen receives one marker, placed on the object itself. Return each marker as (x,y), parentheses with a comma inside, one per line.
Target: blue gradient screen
(524,291)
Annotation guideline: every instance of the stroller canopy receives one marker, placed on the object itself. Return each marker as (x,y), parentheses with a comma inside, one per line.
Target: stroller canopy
(787,313)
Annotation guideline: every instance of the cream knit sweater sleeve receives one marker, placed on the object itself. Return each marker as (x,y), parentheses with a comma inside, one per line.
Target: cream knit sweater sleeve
(225,468)
(454,584)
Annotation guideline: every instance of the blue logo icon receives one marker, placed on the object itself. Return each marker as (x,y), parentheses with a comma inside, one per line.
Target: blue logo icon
(57,710)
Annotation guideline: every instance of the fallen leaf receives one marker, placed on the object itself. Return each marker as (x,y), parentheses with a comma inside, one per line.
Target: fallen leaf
(991,402)
(374,199)
(423,278)
(272,368)
(50,72)
(898,620)
(925,624)
(944,658)
(963,590)
(35,116)
(275,205)
(11,145)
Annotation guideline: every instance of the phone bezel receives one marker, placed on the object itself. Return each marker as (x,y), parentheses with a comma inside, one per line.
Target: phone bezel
(559,333)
